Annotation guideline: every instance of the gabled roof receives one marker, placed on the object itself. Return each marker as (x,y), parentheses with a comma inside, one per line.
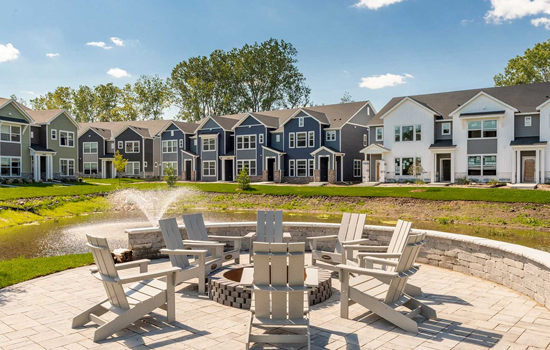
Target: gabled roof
(18,106)
(525,98)
(143,132)
(375,148)
(153,126)
(226,122)
(328,149)
(188,128)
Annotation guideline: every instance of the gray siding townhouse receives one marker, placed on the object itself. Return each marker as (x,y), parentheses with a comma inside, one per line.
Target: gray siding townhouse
(498,133)
(175,148)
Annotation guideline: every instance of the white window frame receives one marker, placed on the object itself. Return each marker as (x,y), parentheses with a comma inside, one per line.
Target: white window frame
(311,139)
(171,133)
(357,167)
(291,168)
(482,129)
(11,166)
(304,133)
(203,168)
(181,143)
(169,146)
(133,169)
(414,132)
(444,130)
(248,140)
(120,145)
(302,163)
(278,138)
(292,140)
(399,170)
(69,161)
(53,134)
(90,147)
(365,140)
(247,163)
(90,169)
(528,121)
(311,167)
(300,122)
(211,142)
(330,135)
(144,165)
(261,139)
(126,143)
(71,138)
(174,164)
(32,134)
(11,134)
(482,165)
(379,137)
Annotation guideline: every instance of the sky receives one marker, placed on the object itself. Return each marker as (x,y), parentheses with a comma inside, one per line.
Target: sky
(373,49)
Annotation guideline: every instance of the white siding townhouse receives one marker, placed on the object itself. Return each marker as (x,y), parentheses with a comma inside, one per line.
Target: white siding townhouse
(497,133)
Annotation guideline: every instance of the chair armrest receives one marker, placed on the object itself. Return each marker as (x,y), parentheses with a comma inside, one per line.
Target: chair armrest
(142,264)
(364,271)
(323,238)
(228,238)
(205,245)
(380,255)
(250,235)
(358,247)
(381,261)
(357,241)
(147,275)
(184,251)
(287,235)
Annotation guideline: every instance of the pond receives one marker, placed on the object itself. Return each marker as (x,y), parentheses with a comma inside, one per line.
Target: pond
(66,236)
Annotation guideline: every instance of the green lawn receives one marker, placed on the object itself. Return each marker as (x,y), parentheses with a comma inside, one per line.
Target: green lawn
(19,270)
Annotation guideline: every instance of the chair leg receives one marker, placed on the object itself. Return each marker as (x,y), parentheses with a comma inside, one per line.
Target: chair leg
(425,310)
(249,331)
(413,290)
(84,317)
(171,298)
(344,294)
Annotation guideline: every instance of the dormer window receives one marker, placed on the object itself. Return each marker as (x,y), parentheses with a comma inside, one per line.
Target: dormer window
(301,122)
(528,121)
(445,128)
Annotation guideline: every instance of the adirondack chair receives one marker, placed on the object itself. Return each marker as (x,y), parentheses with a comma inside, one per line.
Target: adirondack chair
(179,255)
(280,297)
(196,232)
(351,230)
(269,229)
(383,298)
(131,304)
(390,252)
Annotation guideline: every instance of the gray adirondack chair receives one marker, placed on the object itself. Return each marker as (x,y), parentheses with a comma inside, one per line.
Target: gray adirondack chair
(269,229)
(351,230)
(383,298)
(280,297)
(176,250)
(131,304)
(196,232)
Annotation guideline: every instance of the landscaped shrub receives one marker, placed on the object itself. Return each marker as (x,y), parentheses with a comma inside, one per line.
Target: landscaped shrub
(463,181)
(243,179)
(170,176)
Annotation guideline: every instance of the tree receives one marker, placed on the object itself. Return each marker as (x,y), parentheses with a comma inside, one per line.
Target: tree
(127,107)
(84,100)
(61,98)
(120,164)
(243,179)
(170,175)
(153,96)
(532,67)
(416,170)
(346,98)
(18,100)
(106,102)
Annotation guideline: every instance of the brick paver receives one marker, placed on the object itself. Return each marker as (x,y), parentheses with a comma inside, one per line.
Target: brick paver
(473,314)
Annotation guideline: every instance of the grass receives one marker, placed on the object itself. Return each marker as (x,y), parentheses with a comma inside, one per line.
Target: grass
(19,269)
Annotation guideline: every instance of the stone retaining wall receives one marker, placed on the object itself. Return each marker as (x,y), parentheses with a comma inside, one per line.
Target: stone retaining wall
(520,268)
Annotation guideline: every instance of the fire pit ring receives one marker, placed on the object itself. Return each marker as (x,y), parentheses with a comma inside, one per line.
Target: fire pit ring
(224,287)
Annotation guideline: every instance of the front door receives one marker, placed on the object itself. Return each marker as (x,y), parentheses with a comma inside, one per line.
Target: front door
(529,169)
(228,170)
(324,169)
(108,169)
(271,169)
(188,170)
(445,170)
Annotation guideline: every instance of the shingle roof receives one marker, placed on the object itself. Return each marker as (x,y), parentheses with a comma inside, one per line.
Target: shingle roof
(38,148)
(526,98)
(105,133)
(43,116)
(228,121)
(527,141)
(153,126)
(442,144)
(269,121)
(186,127)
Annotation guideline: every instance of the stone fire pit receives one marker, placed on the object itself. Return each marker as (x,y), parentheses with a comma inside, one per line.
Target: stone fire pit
(224,287)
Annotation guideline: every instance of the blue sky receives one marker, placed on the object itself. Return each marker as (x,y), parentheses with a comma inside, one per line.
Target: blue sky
(419,46)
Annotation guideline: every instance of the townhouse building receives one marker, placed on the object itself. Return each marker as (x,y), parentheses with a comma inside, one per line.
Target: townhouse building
(498,133)
(38,145)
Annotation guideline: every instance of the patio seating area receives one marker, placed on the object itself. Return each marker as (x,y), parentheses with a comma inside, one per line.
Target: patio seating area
(472,314)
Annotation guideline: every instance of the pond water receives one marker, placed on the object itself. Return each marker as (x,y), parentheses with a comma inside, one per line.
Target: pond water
(66,236)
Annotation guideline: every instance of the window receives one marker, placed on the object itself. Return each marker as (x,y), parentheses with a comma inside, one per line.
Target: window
(301,122)
(195,142)
(171,133)
(209,168)
(167,164)
(10,166)
(249,164)
(66,166)
(482,165)
(144,164)
(291,167)
(418,132)
(301,167)
(66,138)
(132,168)
(445,128)
(132,146)
(181,143)
(277,138)
(10,133)
(397,166)
(291,140)
(311,139)
(261,139)
(169,146)
(330,136)
(32,134)
(301,139)
(310,167)
(380,134)
(209,144)
(397,134)
(246,142)
(482,129)
(404,166)
(90,148)
(408,133)
(357,168)
(54,134)
(365,140)
(90,168)
(120,145)
(528,121)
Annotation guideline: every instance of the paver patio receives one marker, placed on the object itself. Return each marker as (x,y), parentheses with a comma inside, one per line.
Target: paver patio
(472,314)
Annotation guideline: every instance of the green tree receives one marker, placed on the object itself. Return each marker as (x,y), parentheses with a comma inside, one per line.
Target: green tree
(120,164)
(153,95)
(106,102)
(346,98)
(18,100)
(127,107)
(84,100)
(243,179)
(170,175)
(532,67)
(60,98)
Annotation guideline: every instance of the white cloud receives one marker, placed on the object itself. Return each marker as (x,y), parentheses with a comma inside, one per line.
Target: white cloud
(28,92)
(375,4)
(382,81)
(507,10)
(8,53)
(52,55)
(99,44)
(117,41)
(537,22)
(118,73)
(465,22)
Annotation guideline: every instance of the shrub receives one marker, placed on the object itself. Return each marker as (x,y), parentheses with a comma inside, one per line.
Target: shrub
(243,179)
(170,176)
(463,181)
(9,182)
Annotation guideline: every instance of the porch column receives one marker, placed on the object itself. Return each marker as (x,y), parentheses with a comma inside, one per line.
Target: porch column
(49,166)
(36,167)
(223,169)
(543,165)
(537,167)
(518,166)
(514,166)
(434,167)
(103,170)
(452,167)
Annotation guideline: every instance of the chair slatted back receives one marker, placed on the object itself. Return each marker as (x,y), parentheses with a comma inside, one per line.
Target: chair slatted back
(278,269)
(405,266)
(269,226)
(195,227)
(398,239)
(351,228)
(106,267)
(172,239)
